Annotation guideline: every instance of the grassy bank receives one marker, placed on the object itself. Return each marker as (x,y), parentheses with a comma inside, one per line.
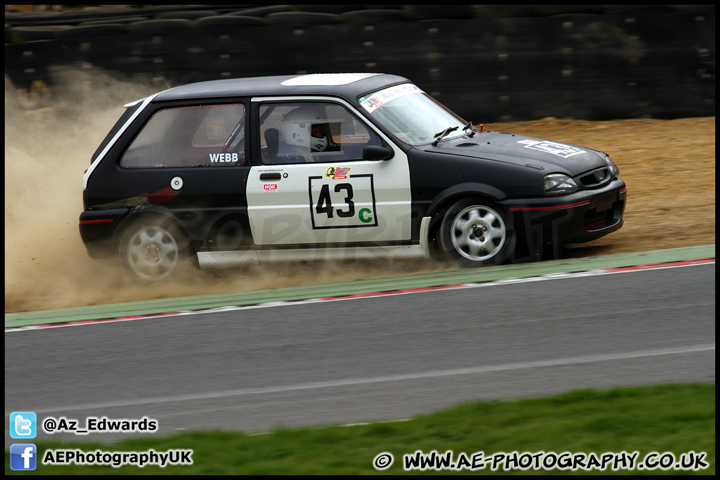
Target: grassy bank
(668,419)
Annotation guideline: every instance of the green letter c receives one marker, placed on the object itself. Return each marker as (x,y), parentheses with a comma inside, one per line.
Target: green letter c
(365,215)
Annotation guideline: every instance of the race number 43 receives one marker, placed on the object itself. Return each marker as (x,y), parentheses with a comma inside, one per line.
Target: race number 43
(346,204)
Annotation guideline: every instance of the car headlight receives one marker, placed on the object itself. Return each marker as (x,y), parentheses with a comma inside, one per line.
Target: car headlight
(613,168)
(559,184)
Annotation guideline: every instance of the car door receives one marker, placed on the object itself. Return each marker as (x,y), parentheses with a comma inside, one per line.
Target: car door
(309,185)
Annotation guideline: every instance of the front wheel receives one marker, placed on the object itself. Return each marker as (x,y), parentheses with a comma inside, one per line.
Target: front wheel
(153,249)
(477,233)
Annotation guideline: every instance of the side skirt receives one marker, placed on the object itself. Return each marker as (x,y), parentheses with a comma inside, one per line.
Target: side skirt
(234,259)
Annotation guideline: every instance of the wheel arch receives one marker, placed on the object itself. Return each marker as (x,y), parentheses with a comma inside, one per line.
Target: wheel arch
(446,198)
(456,192)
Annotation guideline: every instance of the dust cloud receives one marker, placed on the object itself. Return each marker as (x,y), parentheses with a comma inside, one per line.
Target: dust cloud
(50,136)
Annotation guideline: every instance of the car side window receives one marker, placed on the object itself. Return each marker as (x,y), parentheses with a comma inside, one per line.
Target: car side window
(303,132)
(196,136)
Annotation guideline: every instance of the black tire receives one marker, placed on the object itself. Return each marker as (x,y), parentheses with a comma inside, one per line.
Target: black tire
(92,32)
(225,22)
(302,18)
(153,248)
(372,16)
(22,34)
(477,232)
(186,14)
(434,12)
(261,11)
(160,27)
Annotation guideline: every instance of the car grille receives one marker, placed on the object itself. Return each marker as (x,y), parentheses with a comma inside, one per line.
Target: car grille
(596,178)
(594,220)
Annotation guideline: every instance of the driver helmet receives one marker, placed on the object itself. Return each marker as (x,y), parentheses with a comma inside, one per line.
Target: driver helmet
(305,129)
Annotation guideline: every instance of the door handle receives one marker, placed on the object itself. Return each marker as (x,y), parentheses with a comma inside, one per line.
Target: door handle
(269,176)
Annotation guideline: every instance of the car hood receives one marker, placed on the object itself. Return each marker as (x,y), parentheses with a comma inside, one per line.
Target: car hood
(526,151)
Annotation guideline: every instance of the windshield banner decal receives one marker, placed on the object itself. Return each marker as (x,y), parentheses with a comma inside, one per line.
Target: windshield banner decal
(378,99)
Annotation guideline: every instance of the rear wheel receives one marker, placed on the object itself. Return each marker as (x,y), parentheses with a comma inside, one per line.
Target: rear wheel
(153,249)
(477,232)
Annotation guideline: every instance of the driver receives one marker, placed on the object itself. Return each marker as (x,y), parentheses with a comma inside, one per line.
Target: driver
(303,131)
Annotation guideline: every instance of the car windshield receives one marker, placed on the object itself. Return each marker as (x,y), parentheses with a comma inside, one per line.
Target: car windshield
(411,115)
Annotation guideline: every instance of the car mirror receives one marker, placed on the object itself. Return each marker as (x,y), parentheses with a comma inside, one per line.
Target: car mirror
(376,152)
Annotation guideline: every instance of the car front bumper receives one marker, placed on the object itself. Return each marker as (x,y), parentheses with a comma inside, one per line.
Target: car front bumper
(577,218)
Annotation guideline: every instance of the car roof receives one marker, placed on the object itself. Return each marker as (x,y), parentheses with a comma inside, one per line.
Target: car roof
(345,85)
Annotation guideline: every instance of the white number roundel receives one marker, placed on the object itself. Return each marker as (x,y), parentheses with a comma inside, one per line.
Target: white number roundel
(176,183)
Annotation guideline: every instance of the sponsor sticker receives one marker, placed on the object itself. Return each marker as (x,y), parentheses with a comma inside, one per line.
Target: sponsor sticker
(337,173)
(553,148)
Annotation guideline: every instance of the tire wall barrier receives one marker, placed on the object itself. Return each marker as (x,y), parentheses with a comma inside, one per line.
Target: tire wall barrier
(488,63)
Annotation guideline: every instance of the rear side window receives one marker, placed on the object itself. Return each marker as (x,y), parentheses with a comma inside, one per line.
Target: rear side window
(202,136)
(129,111)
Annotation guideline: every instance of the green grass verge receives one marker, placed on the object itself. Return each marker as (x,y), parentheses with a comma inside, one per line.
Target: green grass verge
(664,418)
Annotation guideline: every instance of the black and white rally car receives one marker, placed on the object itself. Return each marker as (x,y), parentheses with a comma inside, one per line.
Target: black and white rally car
(332,166)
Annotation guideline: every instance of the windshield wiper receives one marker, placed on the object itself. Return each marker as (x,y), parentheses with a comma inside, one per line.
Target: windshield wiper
(439,136)
(470,127)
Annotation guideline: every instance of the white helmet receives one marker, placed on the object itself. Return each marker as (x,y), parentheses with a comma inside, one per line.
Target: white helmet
(296,129)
